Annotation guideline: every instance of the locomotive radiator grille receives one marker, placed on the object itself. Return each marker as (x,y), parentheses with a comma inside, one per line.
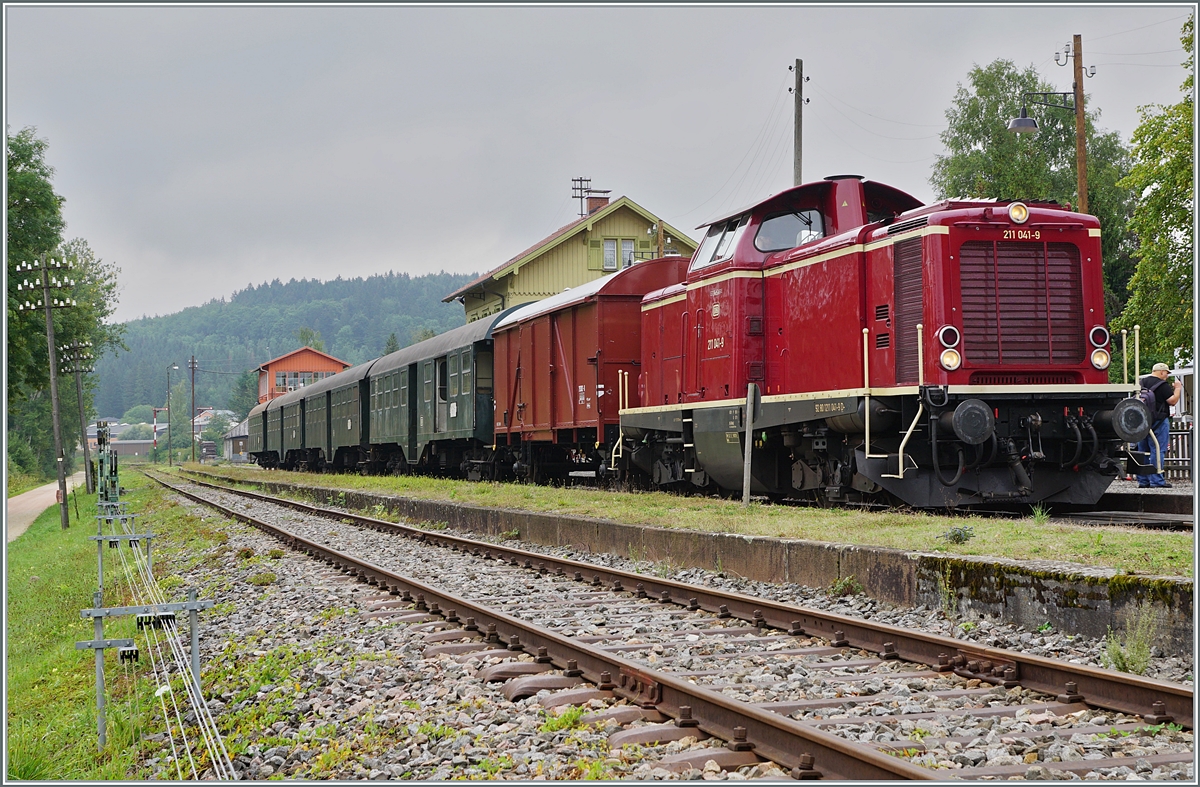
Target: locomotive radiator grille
(908,280)
(1021,302)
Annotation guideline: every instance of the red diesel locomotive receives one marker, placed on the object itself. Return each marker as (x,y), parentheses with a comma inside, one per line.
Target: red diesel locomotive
(939,355)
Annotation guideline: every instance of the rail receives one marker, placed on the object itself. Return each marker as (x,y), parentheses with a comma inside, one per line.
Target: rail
(1102,688)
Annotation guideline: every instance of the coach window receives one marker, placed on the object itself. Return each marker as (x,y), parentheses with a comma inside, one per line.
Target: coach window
(453,375)
(720,242)
(428,381)
(466,372)
(483,367)
(441,379)
(789,230)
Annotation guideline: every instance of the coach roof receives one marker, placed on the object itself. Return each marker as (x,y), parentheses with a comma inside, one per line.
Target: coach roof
(443,343)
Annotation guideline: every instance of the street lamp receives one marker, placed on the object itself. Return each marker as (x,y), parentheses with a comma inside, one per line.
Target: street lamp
(174,367)
(1072,102)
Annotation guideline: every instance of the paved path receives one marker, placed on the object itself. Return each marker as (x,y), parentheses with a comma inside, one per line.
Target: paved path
(28,506)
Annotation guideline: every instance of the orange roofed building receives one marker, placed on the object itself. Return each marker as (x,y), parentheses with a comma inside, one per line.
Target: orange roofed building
(295,369)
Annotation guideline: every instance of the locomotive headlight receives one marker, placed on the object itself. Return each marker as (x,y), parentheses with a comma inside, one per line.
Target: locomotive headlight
(1098,336)
(949,336)
(950,359)
(1018,212)
(1100,358)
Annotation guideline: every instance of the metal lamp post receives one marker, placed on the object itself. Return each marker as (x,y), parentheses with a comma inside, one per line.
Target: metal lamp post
(1072,102)
(174,367)
(47,279)
(78,358)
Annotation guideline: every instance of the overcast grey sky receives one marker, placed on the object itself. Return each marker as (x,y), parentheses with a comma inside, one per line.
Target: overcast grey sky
(207,148)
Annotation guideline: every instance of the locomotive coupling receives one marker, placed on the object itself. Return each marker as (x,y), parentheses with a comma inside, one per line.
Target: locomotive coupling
(972,421)
(1130,420)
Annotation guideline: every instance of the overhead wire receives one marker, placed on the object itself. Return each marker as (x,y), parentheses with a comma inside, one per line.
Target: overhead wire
(756,161)
(164,680)
(1135,29)
(734,171)
(218,756)
(203,716)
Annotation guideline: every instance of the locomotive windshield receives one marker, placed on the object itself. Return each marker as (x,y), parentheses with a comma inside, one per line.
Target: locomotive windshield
(719,243)
(788,230)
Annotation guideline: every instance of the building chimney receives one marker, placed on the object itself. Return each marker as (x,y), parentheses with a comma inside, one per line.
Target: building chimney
(596,203)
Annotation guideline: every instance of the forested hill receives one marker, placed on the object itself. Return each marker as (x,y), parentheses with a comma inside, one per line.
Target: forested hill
(354,318)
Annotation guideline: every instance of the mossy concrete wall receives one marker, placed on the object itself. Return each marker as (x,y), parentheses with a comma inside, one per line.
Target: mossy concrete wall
(1071,597)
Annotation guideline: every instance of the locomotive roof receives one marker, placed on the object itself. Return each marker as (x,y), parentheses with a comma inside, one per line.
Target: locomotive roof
(824,182)
(441,344)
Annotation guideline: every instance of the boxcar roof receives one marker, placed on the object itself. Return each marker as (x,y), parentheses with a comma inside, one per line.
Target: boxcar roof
(634,280)
(457,338)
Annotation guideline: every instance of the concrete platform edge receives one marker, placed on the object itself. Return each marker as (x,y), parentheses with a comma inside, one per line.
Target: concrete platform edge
(1073,598)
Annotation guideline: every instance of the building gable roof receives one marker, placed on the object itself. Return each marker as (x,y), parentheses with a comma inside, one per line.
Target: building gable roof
(263,366)
(560,236)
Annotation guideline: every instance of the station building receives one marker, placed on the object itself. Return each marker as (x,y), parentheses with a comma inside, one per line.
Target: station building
(611,236)
(295,369)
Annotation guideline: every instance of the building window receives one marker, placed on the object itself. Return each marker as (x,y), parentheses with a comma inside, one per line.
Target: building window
(626,252)
(610,254)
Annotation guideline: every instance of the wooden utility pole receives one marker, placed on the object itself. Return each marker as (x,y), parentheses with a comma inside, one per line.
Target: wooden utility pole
(192,417)
(798,93)
(1080,128)
(45,282)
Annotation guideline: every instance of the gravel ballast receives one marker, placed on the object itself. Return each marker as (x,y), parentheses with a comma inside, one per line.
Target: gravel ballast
(348,697)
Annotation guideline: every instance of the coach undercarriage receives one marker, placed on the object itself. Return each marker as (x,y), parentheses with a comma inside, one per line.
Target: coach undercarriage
(935,449)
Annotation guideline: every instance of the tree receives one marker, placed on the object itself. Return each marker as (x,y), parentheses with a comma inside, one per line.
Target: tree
(1161,288)
(421,334)
(985,159)
(309,337)
(215,430)
(142,414)
(138,432)
(244,396)
(392,345)
(35,226)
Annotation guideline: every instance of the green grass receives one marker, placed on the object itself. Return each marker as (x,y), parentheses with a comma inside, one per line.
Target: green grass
(51,699)
(19,482)
(51,686)
(1130,550)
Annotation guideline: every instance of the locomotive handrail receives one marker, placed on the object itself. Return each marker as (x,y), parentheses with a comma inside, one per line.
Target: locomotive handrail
(1125,356)
(920,355)
(904,442)
(867,400)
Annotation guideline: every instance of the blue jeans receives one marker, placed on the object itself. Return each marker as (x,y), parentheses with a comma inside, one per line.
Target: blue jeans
(1162,430)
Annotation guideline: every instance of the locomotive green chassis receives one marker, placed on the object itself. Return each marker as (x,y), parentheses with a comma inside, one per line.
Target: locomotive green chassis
(801,451)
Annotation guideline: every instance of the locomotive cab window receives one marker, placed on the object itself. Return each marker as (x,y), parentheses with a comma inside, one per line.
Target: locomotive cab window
(789,230)
(719,243)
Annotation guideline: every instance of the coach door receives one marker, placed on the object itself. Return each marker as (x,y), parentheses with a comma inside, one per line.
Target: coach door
(440,412)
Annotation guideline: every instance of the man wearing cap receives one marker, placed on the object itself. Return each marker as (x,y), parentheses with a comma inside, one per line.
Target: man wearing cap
(1156,382)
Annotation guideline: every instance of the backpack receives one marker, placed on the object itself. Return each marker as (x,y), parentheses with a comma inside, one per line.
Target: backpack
(1149,399)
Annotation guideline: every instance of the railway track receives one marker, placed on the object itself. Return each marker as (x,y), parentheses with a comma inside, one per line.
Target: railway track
(821,694)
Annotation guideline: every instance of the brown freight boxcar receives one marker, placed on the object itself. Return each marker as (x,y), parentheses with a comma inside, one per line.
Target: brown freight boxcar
(560,372)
